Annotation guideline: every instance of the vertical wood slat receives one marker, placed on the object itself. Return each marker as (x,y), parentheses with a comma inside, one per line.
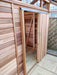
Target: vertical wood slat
(48,6)
(41,24)
(30,29)
(33,30)
(38,38)
(42,32)
(42,35)
(41,3)
(23,39)
(47,23)
(16,52)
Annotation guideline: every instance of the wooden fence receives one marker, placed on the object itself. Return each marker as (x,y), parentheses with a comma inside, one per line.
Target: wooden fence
(52,35)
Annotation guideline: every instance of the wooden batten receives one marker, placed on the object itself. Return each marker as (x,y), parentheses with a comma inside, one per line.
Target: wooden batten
(33,1)
(41,3)
(22,4)
(54,11)
(46,36)
(23,40)
(16,50)
(48,6)
(38,37)
(33,30)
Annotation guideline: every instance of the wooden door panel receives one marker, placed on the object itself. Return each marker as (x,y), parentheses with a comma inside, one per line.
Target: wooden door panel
(42,32)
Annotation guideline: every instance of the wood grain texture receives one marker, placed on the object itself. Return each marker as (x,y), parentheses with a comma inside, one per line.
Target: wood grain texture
(2,41)
(18,34)
(5,69)
(6,31)
(8,65)
(5,9)
(15,38)
(42,35)
(22,4)
(33,30)
(4,36)
(5,26)
(12,23)
(6,44)
(23,40)
(38,38)
(4,4)
(5,15)
(4,21)
(29,26)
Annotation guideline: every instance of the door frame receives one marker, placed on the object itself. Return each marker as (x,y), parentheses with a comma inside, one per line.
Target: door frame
(23,40)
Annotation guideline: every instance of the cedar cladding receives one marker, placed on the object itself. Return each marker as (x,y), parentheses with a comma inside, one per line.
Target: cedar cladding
(8,63)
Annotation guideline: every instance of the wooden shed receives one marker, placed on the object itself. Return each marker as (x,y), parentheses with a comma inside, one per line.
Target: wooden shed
(20,29)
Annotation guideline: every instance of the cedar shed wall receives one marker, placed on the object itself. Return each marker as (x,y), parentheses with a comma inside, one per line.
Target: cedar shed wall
(11,54)
(8,60)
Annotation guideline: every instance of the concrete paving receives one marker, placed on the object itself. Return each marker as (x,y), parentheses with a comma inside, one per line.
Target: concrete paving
(30,58)
(48,66)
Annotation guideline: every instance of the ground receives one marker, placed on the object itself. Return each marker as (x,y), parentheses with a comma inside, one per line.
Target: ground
(31,58)
(48,66)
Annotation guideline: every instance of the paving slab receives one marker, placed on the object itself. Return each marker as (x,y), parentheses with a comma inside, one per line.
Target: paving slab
(40,71)
(47,66)
(49,62)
